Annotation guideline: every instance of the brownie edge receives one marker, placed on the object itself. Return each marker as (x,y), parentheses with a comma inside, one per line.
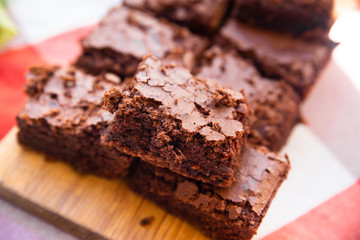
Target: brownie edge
(310,20)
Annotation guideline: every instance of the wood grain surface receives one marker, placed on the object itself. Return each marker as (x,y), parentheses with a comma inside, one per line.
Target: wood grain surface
(84,205)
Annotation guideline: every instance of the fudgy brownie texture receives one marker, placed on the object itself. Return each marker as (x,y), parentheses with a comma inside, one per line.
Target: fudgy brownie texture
(274,103)
(174,120)
(124,36)
(310,20)
(278,55)
(221,213)
(63,117)
(201,16)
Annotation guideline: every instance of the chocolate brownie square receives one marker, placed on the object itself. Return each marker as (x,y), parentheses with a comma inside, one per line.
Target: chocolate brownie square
(278,55)
(275,104)
(221,213)
(201,16)
(171,119)
(124,36)
(63,118)
(302,18)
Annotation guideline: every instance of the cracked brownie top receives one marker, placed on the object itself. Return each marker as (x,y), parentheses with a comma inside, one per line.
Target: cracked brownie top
(201,105)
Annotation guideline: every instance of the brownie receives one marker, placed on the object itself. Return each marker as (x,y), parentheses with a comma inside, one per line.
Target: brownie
(302,18)
(221,213)
(279,56)
(63,117)
(124,36)
(171,119)
(201,16)
(274,103)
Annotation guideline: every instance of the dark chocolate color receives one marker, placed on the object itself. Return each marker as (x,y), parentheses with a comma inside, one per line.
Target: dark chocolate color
(275,104)
(174,120)
(124,36)
(63,117)
(278,55)
(222,213)
(310,20)
(201,16)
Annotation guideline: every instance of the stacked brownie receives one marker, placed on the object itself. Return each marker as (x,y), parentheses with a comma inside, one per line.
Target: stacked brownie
(194,122)
(222,213)
(171,119)
(187,133)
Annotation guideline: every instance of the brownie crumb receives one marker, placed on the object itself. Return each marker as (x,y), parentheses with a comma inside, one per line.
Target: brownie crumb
(112,99)
(147,221)
(222,97)
(203,111)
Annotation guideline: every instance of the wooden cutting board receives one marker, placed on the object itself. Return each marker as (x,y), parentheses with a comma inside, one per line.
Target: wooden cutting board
(86,206)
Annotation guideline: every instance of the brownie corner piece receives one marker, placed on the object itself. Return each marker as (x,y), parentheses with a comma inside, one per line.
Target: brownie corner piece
(62,117)
(192,126)
(233,213)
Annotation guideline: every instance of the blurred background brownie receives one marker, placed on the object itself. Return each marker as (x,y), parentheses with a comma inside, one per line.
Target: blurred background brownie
(280,56)
(171,119)
(302,18)
(201,16)
(124,36)
(275,104)
(221,213)
(63,117)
